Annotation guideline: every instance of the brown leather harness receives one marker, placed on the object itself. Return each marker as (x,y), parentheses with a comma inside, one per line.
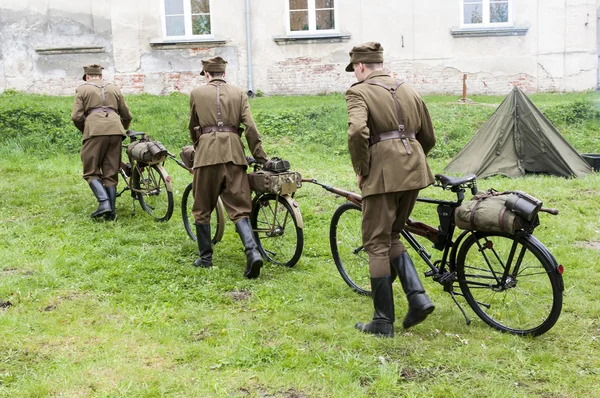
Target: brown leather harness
(102,109)
(401,133)
(219,127)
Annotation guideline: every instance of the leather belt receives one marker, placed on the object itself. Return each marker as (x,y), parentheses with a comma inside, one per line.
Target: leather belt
(390,135)
(220,129)
(103,109)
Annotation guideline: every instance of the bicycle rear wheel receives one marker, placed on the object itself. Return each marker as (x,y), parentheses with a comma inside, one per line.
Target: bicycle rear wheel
(150,185)
(345,239)
(217,217)
(512,284)
(276,230)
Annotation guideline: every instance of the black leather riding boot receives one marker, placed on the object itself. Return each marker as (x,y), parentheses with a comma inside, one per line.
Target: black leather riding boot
(101,196)
(254,260)
(204,246)
(383,301)
(419,305)
(112,199)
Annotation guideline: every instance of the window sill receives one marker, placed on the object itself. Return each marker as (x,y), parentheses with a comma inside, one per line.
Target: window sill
(71,50)
(489,32)
(166,44)
(311,38)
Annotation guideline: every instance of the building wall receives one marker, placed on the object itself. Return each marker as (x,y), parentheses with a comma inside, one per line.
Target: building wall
(44,43)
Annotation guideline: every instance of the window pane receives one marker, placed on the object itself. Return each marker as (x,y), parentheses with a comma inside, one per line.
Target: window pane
(173,7)
(325,20)
(472,1)
(298,20)
(200,6)
(323,4)
(473,13)
(201,25)
(499,12)
(175,26)
(298,4)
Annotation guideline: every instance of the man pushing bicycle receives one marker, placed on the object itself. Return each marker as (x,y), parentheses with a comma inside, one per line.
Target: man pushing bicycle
(216,111)
(389,135)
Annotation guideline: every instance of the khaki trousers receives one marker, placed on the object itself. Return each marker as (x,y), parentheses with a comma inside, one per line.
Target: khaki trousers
(384,217)
(101,159)
(226,180)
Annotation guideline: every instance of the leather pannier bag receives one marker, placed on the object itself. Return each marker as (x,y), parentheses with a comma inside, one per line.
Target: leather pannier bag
(488,213)
(187,156)
(150,152)
(277,183)
(277,165)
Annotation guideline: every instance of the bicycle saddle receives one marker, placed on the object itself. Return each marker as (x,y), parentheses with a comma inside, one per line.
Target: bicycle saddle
(452,182)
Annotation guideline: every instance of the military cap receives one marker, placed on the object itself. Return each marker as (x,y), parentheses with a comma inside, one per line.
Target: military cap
(216,64)
(93,69)
(366,53)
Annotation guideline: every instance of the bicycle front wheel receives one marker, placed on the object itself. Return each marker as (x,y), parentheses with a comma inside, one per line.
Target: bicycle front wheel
(276,230)
(345,239)
(512,284)
(150,185)
(217,217)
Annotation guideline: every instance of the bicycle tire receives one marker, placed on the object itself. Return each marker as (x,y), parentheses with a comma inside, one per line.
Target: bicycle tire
(217,218)
(345,239)
(150,185)
(529,301)
(278,241)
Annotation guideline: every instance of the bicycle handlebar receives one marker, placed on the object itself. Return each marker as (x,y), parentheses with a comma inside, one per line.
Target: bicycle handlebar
(179,162)
(351,196)
(554,212)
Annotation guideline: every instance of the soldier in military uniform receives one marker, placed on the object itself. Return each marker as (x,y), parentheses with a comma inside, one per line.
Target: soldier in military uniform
(389,135)
(101,114)
(216,111)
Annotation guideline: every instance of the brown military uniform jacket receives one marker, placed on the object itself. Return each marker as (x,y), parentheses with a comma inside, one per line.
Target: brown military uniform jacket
(222,147)
(89,96)
(386,166)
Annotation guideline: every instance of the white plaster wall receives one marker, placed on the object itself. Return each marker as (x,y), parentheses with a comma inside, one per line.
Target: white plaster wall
(558,53)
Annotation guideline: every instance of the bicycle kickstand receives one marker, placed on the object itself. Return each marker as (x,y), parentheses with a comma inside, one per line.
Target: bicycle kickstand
(447,280)
(460,308)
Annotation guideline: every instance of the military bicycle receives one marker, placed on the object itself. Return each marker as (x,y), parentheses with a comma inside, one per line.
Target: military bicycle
(145,177)
(511,281)
(275,218)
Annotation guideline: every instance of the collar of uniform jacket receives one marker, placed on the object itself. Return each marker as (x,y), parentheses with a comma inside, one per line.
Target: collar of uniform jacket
(376,73)
(217,79)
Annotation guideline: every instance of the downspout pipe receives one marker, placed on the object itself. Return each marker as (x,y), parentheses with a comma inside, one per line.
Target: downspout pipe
(249,49)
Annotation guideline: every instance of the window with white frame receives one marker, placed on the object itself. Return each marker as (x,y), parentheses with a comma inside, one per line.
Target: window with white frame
(311,16)
(186,18)
(486,13)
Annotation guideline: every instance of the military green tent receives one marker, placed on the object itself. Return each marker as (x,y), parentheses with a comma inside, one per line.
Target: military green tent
(518,139)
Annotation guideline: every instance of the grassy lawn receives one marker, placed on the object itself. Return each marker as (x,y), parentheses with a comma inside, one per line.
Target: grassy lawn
(94,309)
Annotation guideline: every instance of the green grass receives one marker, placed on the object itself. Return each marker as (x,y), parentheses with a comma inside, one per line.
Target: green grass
(116,309)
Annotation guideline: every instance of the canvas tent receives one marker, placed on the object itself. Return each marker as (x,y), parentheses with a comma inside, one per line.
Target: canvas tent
(518,139)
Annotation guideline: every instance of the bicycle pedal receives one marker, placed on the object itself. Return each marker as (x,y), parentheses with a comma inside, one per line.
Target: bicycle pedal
(429,273)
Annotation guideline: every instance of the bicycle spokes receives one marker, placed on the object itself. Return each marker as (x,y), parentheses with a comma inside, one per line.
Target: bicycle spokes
(509,282)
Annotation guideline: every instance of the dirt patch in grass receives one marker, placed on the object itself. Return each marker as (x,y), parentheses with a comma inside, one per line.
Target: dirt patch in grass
(239,295)
(589,245)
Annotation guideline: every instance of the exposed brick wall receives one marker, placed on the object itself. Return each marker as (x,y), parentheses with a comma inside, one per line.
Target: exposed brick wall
(310,76)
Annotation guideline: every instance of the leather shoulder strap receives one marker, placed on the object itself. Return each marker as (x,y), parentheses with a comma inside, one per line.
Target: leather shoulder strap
(392,91)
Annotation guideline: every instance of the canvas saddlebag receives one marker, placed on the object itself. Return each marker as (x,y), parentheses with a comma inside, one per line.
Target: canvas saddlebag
(499,212)
(267,181)
(187,156)
(147,151)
